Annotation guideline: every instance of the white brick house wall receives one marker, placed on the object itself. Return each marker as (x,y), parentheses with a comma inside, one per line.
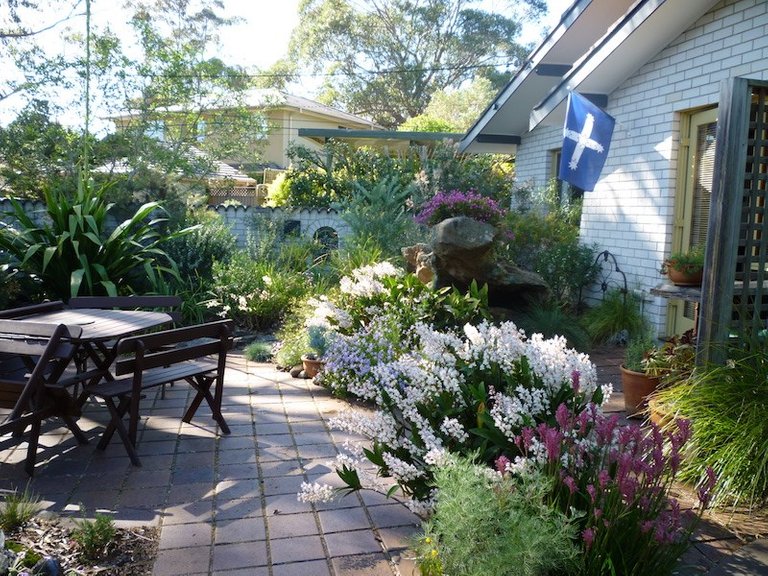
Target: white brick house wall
(631,210)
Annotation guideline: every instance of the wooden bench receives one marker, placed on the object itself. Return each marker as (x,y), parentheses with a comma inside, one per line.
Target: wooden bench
(195,354)
(169,304)
(162,303)
(32,358)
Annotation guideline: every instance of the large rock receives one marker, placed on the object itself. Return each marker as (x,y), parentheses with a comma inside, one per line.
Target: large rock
(462,252)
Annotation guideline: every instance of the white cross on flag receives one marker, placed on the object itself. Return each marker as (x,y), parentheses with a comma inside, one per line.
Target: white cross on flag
(586,139)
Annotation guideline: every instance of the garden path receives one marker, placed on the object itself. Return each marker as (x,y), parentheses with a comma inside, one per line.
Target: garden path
(227,505)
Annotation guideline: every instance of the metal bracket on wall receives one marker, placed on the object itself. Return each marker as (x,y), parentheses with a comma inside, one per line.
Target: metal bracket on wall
(609,272)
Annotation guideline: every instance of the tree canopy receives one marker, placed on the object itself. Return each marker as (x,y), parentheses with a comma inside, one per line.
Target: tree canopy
(386,58)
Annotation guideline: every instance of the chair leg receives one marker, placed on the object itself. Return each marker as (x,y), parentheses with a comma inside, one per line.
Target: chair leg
(34,436)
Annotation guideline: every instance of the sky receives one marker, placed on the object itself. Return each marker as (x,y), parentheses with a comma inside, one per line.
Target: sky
(256,43)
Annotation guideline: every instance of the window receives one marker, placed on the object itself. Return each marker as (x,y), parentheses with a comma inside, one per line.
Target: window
(155,130)
(697,159)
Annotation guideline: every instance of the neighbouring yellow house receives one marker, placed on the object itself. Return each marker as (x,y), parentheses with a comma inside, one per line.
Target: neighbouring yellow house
(280,118)
(286,114)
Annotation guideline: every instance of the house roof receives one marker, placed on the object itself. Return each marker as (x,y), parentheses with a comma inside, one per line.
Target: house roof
(261,98)
(218,170)
(378,137)
(269,98)
(596,46)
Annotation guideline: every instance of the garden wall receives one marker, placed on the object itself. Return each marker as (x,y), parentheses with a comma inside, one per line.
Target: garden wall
(323,223)
(308,222)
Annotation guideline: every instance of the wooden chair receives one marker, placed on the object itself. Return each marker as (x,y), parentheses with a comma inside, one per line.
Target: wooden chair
(22,311)
(32,358)
(151,360)
(169,304)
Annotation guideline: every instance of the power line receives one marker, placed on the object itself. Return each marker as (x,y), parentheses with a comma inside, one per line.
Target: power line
(289,75)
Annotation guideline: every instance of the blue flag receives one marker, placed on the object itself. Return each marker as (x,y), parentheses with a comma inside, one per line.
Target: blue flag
(586,139)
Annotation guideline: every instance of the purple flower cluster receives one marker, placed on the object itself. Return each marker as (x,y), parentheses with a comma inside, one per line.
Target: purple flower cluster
(619,478)
(458,203)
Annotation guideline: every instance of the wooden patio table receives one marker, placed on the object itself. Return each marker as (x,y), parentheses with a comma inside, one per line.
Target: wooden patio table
(101,328)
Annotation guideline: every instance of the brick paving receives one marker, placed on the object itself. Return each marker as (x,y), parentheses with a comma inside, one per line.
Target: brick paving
(227,505)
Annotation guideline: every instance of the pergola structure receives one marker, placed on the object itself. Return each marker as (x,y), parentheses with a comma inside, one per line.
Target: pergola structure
(734,298)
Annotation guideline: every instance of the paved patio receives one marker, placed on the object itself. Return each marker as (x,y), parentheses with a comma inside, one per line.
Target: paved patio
(227,505)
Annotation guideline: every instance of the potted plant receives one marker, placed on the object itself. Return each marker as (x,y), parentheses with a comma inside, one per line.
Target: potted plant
(685,268)
(312,361)
(636,383)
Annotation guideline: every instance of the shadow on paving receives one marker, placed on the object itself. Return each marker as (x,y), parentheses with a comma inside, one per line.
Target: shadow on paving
(228,505)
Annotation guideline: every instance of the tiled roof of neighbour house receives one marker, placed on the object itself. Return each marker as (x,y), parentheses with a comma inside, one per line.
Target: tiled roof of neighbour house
(263,98)
(223,171)
(597,45)
(219,170)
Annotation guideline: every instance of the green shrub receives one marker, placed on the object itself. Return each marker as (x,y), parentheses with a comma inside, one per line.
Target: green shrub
(726,406)
(255,294)
(567,267)
(551,320)
(94,537)
(258,352)
(211,241)
(356,254)
(534,233)
(616,319)
(17,509)
(379,212)
(486,524)
(74,254)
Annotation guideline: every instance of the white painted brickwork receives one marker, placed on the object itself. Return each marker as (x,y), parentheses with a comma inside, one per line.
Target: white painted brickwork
(239,218)
(631,210)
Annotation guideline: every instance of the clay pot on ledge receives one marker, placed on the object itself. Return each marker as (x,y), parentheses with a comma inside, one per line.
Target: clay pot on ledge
(637,386)
(683,278)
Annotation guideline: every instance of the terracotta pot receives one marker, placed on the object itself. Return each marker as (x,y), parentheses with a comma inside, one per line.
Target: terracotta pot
(636,387)
(679,278)
(312,366)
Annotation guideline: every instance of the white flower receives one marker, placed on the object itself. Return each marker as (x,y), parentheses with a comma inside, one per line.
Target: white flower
(315,492)
(267,280)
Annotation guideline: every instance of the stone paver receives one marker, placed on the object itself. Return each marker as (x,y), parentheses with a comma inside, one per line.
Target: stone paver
(227,505)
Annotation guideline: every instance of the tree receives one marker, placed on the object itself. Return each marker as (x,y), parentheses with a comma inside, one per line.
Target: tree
(386,58)
(36,153)
(180,94)
(454,110)
(26,67)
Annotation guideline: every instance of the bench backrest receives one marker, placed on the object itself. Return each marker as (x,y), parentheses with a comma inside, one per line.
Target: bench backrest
(32,309)
(168,347)
(169,304)
(29,353)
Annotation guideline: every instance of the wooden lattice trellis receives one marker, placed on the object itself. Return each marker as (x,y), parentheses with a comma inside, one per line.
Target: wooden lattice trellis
(735,291)
(245,195)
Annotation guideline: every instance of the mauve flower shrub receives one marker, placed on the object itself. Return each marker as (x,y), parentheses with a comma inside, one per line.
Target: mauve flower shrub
(459,203)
